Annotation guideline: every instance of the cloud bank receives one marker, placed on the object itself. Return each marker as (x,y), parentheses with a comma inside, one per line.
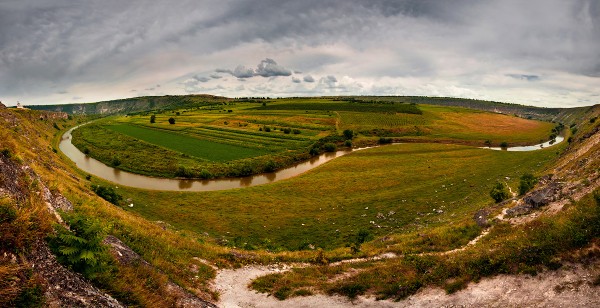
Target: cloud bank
(540,52)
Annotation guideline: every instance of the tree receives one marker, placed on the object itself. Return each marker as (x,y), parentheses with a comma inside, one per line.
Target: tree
(500,192)
(171,121)
(528,181)
(152,119)
(504,145)
(349,134)
(329,147)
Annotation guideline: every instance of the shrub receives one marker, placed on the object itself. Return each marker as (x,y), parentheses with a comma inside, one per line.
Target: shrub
(313,151)
(205,174)
(55,126)
(361,237)
(152,119)
(267,129)
(107,193)
(86,151)
(6,153)
(504,145)
(270,166)
(384,140)
(528,181)
(184,172)
(348,143)
(329,147)
(500,192)
(287,130)
(296,131)
(81,247)
(116,162)
(171,121)
(348,134)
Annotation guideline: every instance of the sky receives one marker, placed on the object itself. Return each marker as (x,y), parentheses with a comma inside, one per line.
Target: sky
(534,52)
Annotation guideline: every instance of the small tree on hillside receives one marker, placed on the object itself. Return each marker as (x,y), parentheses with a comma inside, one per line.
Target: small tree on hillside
(528,181)
(152,119)
(171,121)
(500,192)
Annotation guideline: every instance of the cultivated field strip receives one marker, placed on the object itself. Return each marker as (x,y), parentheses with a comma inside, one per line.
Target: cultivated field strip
(365,120)
(242,138)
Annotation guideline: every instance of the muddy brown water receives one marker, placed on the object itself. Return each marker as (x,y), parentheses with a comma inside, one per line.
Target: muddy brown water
(120,177)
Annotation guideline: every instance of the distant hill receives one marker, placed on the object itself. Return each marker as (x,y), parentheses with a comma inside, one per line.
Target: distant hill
(132,105)
(563,115)
(146,103)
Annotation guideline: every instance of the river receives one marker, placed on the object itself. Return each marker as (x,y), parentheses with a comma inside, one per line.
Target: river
(96,168)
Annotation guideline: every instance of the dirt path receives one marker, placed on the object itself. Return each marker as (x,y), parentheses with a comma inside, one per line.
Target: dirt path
(571,286)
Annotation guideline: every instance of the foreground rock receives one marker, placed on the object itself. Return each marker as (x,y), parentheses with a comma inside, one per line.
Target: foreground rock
(65,288)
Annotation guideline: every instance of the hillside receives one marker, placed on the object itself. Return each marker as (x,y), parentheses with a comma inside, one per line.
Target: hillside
(132,105)
(170,102)
(354,227)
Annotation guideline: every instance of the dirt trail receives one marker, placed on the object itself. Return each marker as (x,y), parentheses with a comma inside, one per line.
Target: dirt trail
(571,286)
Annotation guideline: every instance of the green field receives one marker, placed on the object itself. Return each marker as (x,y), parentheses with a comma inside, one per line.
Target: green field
(200,148)
(386,190)
(242,138)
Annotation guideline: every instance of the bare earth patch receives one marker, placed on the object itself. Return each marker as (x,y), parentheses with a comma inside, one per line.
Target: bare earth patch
(571,286)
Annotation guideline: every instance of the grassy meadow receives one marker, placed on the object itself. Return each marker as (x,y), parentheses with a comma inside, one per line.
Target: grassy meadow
(387,190)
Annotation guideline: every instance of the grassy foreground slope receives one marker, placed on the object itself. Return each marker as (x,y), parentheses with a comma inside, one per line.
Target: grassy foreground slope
(387,190)
(243,138)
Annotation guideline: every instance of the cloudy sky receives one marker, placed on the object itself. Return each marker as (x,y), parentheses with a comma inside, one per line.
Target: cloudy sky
(537,52)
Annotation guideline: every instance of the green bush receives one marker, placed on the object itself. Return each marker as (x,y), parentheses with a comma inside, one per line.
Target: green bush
(313,151)
(270,166)
(205,174)
(296,131)
(81,248)
(329,147)
(527,182)
(116,162)
(348,134)
(267,129)
(184,172)
(504,145)
(500,192)
(171,121)
(287,130)
(348,143)
(384,140)
(107,193)
(152,119)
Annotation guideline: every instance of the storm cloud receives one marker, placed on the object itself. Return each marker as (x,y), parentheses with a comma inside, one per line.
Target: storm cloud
(540,52)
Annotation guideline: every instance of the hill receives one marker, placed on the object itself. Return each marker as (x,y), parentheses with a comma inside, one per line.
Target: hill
(169,102)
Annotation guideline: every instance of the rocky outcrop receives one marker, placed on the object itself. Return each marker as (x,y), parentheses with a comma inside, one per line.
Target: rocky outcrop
(65,288)
(126,255)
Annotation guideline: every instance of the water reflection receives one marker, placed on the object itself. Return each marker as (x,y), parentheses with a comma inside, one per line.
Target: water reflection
(534,147)
(185,184)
